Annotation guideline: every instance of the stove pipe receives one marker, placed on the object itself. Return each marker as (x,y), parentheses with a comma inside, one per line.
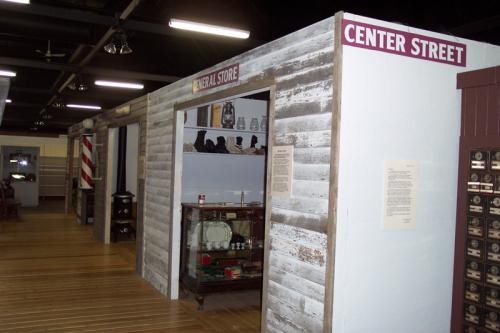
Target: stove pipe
(121,174)
(122,199)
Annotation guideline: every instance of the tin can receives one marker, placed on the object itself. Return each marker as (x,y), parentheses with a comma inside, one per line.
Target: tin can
(201,199)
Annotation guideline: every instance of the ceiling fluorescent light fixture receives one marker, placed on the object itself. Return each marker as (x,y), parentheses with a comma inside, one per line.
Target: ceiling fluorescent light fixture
(7,73)
(24,2)
(208,28)
(115,84)
(83,106)
(8,101)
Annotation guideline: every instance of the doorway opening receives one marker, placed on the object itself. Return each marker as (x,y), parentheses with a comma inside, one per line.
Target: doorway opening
(122,187)
(74,174)
(218,229)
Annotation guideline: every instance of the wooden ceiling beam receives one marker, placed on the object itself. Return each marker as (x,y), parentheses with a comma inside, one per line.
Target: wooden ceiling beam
(112,73)
(132,5)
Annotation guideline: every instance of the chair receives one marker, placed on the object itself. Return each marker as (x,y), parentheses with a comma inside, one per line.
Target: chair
(8,206)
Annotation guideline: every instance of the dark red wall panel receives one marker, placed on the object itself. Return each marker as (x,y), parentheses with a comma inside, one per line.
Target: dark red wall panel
(480,130)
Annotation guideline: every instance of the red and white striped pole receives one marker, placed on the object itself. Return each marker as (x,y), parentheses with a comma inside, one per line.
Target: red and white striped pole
(86,182)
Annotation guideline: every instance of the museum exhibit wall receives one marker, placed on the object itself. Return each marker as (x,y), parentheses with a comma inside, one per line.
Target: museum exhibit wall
(27,163)
(398,108)
(52,160)
(300,66)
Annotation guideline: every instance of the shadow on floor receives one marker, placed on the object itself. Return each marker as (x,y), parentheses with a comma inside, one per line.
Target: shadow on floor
(45,205)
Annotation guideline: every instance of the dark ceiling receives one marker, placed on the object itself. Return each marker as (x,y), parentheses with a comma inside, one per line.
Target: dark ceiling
(79,29)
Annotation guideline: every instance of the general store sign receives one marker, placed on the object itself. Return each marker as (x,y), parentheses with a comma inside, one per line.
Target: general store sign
(218,78)
(404,43)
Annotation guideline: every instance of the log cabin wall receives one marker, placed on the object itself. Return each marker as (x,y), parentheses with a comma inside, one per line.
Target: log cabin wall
(71,164)
(300,69)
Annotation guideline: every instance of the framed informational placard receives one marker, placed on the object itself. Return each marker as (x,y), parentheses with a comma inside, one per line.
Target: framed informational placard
(282,171)
(400,194)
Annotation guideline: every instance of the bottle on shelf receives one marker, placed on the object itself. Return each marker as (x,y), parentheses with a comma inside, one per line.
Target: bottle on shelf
(254,125)
(240,123)
(263,124)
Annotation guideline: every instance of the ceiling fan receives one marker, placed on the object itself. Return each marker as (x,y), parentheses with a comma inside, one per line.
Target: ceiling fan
(48,55)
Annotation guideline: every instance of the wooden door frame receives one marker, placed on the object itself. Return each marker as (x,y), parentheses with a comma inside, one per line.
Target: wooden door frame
(174,244)
(113,126)
(69,172)
(110,139)
(334,175)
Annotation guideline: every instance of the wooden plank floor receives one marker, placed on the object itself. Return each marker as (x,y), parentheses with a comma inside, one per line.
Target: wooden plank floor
(55,278)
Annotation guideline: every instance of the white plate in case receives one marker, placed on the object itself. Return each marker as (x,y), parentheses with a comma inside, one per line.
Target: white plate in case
(218,233)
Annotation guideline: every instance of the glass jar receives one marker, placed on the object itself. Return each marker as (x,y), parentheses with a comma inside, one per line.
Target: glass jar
(263,124)
(240,123)
(254,124)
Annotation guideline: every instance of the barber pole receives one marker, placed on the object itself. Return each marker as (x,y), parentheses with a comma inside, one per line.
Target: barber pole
(86,182)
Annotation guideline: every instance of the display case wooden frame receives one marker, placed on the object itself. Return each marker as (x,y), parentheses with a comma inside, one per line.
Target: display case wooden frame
(205,269)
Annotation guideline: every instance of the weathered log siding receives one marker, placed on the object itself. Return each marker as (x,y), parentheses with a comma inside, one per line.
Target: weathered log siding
(301,67)
(101,146)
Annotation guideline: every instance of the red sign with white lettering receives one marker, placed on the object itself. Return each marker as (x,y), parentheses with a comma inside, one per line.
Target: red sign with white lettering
(403,43)
(218,78)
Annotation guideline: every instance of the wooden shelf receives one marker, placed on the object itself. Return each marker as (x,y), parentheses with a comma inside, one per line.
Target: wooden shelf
(219,154)
(224,129)
(232,253)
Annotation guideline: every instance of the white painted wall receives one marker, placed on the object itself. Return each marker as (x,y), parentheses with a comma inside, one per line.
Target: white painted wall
(132,154)
(222,177)
(113,134)
(51,147)
(396,107)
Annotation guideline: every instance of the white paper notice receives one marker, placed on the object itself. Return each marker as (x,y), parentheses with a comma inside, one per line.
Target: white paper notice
(400,194)
(281,181)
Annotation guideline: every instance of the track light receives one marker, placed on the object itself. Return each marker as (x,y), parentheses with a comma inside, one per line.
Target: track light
(83,106)
(125,49)
(8,100)
(58,104)
(78,84)
(7,73)
(208,28)
(118,44)
(110,47)
(115,84)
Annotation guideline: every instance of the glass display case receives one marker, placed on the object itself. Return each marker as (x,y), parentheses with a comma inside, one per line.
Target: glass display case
(222,248)
(20,167)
